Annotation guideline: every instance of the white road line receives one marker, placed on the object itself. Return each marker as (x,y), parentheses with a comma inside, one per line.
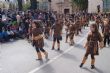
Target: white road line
(53,59)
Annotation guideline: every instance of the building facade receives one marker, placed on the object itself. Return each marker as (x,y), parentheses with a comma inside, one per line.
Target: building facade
(43,5)
(106,5)
(94,5)
(61,6)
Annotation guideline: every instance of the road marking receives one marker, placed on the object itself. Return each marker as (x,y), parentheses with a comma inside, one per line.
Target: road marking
(53,59)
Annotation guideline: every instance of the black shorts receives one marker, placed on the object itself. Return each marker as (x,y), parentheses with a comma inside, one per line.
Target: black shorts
(56,38)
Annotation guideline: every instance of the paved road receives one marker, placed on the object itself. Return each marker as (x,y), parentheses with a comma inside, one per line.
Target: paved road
(20,57)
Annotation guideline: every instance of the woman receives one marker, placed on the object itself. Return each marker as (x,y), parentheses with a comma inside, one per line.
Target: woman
(92,45)
(38,40)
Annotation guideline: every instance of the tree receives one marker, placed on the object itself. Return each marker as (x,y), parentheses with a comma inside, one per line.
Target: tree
(20,7)
(82,4)
(10,6)
(26,6)
(4,5)
(33,4)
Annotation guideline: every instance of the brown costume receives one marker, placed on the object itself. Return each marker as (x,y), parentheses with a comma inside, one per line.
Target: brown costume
(92,43)
(92,47)
(57,29)
(57,34)
(71,34)
(47,30)
(106,33)
(106,29)
(78,27)
(97,22)
(40,42)
(67,29)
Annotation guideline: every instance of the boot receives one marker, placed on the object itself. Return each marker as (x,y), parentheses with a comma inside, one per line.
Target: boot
(83,61)
(92,63)
(46,55)
(92,66)
(53,46)
(67,37)
(66,40)
(39,56)
(71,42)
(81,65)
(97,52)
(58,47)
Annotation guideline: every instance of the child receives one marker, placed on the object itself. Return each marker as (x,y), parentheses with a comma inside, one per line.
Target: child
(92,45)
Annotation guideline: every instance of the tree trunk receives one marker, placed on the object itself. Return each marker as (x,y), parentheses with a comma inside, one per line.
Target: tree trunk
(20,7)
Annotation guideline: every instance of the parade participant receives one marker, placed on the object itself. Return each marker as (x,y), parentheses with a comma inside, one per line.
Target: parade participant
(106,32)
(87,20)
(78,27)
(57,29)
(38,40)
(94,37)
(71,33)
(98,22)
(82,21)
(67,24)
(47,29)
(30,31)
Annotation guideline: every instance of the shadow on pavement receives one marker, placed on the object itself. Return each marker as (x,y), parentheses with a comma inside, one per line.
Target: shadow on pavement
(99,70)
(47,69)
(60,51)
(91,70)
(69,56)
(79,46)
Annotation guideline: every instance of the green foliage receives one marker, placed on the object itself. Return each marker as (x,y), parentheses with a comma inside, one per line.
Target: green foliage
(26,6)
(82,4)
(4,5)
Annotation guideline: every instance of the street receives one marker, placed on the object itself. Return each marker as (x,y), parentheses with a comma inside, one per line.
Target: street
(20,57)
(54,36)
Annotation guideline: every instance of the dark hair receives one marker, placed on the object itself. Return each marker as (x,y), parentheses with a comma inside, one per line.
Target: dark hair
(37,24)
(95,26)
